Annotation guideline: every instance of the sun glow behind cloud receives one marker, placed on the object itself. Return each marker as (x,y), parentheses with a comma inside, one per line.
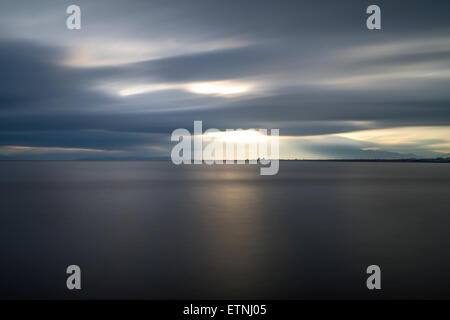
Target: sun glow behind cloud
(223,88)
(215,88)
(238,136)
(239,144)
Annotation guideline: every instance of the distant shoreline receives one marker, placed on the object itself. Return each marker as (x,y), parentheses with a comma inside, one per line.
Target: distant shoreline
(434,160)
(442,160)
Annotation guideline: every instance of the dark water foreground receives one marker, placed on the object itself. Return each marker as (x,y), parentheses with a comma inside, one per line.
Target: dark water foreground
(152,230)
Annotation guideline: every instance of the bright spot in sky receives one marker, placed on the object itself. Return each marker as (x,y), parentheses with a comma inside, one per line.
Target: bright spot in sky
(238,136)
(139,89)
(218,88)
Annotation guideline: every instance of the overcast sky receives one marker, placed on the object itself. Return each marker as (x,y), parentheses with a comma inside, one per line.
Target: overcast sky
(137,70)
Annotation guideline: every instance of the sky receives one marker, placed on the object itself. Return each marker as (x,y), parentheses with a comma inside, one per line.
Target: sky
(137,70)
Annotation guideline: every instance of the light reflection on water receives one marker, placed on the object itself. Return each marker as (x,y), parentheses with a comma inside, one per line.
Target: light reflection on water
(155,230)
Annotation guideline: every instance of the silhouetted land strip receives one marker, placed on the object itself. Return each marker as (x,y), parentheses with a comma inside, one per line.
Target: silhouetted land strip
(433,160)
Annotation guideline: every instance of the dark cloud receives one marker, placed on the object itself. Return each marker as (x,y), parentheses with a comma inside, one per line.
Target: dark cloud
(33,78)
(215,65)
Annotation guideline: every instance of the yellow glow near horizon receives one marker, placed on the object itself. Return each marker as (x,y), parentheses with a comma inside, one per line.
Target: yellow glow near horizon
(436,137)
(238,136)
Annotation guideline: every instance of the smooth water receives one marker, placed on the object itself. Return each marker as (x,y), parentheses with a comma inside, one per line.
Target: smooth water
(153,230)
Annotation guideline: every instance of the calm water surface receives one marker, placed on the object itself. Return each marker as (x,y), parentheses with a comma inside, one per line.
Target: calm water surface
(152,230)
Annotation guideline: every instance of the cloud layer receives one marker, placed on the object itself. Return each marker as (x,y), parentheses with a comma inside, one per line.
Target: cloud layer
(137,70)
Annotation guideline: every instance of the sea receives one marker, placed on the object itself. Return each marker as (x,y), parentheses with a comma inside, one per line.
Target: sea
(154,230)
